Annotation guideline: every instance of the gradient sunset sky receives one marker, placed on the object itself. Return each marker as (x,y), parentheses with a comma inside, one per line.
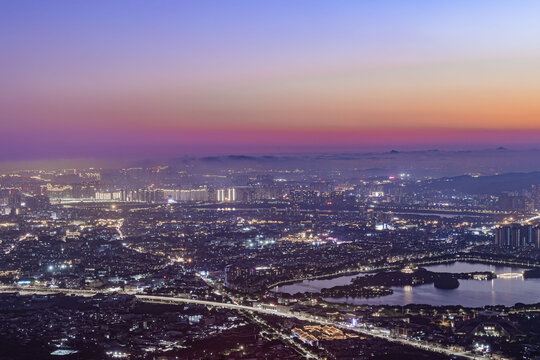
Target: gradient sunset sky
(166,78)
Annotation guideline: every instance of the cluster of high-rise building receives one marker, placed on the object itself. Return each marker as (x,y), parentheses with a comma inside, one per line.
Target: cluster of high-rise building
(150,194)
(186,194)
(140,195)
(516,202)
(14,202)
(245,194)
(535,193)
(316,198)
(517,235)
(226,194)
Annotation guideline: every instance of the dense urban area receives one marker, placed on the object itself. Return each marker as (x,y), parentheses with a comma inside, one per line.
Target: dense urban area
(255,260)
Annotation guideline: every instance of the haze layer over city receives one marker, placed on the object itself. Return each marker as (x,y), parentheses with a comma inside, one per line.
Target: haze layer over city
(269,180)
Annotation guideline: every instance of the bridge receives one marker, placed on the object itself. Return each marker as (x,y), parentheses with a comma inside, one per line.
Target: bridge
(373,331)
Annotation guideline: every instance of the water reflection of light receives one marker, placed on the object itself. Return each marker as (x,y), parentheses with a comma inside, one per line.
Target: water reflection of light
(407,294)
(493,294)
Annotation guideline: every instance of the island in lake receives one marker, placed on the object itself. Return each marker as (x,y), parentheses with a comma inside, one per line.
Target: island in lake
(378,284)
(446,283)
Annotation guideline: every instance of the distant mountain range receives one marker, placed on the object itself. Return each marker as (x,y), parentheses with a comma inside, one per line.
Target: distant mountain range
(426,163)
(493,184)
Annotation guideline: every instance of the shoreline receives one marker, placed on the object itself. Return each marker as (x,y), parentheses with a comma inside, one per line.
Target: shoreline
(391,267)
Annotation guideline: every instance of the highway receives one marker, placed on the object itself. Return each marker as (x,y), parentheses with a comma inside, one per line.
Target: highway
(536,217)
(375,332)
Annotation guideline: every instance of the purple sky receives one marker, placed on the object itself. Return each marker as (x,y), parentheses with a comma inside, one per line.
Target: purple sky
(139,78)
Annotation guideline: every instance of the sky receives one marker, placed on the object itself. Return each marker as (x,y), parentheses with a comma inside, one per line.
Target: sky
(165,78)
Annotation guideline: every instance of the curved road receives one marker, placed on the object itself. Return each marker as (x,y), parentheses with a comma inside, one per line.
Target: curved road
(375,332)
